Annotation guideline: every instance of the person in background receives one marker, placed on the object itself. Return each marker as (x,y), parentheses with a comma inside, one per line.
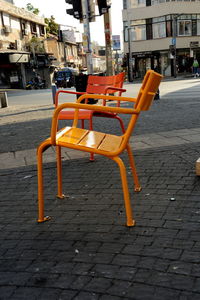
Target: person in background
(195,68)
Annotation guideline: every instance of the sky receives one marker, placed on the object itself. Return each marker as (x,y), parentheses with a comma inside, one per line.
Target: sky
(58,10)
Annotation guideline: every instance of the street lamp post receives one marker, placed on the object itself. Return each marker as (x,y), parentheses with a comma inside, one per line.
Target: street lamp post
(174,34)
(130,60)
(174,43)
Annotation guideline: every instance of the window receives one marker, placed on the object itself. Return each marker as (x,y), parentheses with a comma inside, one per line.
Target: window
(137,3)
(149,29)
(42,31)
(168,28)
(33,28)
(184,27)
(159,28)
(198,27)
(139,33)
(138,30)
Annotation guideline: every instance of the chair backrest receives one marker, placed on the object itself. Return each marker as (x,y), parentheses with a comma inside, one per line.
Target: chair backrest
(98,84)
(144,99)
(148,90)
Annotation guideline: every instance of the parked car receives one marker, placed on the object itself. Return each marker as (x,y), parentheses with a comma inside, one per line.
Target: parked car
(65,77)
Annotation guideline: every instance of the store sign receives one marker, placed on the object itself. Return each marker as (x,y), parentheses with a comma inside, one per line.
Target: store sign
(194,45)
(19,58)
(116,42)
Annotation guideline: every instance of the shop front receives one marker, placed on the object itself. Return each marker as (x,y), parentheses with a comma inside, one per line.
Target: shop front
(143,61)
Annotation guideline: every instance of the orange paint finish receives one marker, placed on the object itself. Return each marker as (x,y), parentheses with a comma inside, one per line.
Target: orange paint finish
(94,142)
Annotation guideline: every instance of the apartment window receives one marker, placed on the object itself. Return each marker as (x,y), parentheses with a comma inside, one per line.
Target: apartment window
(149,29)
(159,28)
(184,27)
(194,27)
(168,28)
(41,29)
(198,27)
(5,19)
(138,30)
(137,3)
(33,28)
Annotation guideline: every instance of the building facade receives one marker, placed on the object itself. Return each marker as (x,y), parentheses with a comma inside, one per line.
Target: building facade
(161,35)
(26,51)
(21,46)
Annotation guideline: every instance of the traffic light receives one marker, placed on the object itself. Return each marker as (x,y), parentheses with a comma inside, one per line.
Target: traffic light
(172,49)
(76,11)
(103,6)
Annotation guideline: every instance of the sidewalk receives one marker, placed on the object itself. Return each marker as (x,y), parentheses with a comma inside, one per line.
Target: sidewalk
(85,251)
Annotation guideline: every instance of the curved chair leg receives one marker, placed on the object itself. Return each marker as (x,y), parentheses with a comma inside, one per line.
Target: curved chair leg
(129,216)
(133,169)
(59,172)
(43,146)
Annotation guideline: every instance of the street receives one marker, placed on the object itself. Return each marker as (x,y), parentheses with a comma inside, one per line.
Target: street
(179,89)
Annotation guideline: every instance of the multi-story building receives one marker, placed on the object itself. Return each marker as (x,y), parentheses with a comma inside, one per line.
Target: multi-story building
(21,45)
(157,31)
(25,49)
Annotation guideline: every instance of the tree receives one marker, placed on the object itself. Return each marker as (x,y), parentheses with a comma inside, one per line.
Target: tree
(52,26)
(32,9)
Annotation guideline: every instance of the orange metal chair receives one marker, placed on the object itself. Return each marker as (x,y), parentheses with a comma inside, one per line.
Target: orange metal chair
(95,142)
(95,85)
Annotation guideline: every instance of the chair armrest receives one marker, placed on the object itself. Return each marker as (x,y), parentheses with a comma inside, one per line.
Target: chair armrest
(78,106)
(114,89)
(105,97)
(66,92)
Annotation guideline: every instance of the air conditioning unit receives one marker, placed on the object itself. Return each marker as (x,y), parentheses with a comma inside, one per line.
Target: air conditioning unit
(7,29)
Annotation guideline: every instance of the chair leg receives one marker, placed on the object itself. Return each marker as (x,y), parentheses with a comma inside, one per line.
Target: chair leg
(40,150)
(59,172)
(82,124)
(91,128)
(129,216)
(133,169)
(121,123)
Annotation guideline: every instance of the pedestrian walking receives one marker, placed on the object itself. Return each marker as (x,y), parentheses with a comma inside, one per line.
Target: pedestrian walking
(195,68)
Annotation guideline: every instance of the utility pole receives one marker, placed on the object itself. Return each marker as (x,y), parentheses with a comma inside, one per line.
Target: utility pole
(86,36)
(174,35)
(108,40)
(130,60)
(174,43)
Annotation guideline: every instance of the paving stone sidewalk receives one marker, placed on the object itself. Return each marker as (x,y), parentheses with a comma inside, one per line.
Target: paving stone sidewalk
(85,251)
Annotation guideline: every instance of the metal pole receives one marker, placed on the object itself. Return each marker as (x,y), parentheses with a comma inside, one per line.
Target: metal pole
(117,61)
(130,56)
(174,43)
(86,36)
(108,33)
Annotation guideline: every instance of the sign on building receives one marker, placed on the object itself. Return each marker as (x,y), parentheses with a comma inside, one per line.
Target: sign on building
(116,42)
(194,45)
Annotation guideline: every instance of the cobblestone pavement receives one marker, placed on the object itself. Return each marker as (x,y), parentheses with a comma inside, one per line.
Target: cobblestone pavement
(85,251)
